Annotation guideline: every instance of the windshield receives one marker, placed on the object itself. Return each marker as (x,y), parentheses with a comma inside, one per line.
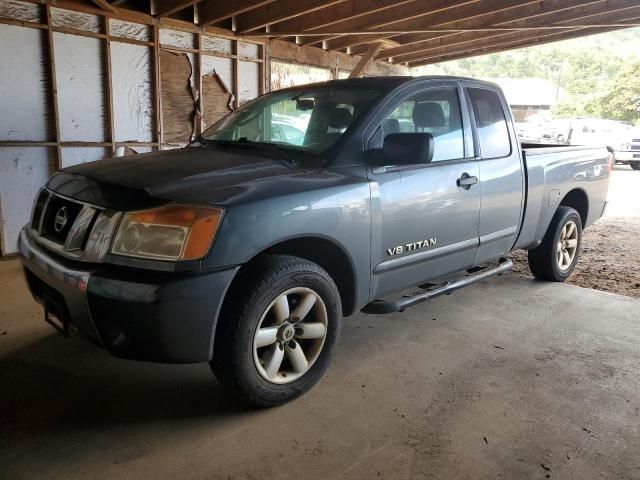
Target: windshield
(304,120)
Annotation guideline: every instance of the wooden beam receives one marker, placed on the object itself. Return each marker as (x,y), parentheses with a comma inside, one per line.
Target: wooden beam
(289,52)
(539,40)
(169,7)
(336,14)
(120,13)
(104,5)
(111,136)
(280,11)
(550,8)
(448,12)
(505,17)
(54,91)
(518,41)
(588,20)
(213,11)
(487,29)
(390,18)
(366,60)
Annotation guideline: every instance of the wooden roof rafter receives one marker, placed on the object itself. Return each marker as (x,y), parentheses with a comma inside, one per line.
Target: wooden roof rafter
(590,15)
(516,44)
(399,31)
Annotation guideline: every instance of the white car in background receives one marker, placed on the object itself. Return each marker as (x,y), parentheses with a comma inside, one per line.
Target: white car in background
(628,153)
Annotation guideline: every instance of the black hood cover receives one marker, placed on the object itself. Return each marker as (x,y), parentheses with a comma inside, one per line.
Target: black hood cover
(190,174)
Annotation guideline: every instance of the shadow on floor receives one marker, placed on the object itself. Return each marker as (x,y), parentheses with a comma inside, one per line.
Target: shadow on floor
(56,384)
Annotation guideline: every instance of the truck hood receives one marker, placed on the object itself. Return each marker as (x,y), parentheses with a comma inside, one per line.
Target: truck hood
(204,175)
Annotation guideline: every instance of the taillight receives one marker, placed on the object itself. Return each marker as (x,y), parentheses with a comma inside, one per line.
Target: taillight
(610,162)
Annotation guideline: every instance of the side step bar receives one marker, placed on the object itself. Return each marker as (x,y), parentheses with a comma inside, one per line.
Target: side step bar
(390,306)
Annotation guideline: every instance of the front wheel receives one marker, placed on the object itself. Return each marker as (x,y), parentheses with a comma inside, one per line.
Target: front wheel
(556,257)
(277,333)
(635,165)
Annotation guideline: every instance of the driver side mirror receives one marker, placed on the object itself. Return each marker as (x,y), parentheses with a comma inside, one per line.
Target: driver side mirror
(406,149)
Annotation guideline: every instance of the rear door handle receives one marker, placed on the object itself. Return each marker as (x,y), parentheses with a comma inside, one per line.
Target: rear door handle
(466,180)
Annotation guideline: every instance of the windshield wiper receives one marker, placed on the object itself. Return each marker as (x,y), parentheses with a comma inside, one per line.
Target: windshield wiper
(264,146)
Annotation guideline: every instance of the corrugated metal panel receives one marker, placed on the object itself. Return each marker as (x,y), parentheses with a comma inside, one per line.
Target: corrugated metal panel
(24,93)
(80,82)
(23,171)
(132,92)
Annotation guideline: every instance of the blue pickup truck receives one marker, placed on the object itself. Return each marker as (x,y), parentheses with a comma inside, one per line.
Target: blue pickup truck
(246,249)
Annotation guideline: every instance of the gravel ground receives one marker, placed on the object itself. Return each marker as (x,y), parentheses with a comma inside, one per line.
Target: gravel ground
(610,257)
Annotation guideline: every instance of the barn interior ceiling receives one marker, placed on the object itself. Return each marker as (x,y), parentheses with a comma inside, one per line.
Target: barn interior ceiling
(409,32)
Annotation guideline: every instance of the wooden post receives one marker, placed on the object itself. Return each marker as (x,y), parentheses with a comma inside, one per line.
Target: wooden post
(157,89)
(200,104)
(109,88)
(236,75)
(366,60)
(54,89)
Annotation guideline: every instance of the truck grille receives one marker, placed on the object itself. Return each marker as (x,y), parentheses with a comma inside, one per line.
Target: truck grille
(58,219)
(63,222)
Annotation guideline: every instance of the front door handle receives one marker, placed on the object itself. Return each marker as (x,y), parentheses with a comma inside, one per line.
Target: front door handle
(466,180)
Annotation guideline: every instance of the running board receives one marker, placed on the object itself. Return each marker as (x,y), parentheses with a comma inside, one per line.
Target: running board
(379,307)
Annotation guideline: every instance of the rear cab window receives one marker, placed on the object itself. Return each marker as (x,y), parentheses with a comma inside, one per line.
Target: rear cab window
(491,123)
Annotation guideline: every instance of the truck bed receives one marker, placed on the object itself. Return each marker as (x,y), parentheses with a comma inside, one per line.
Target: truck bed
(551,173)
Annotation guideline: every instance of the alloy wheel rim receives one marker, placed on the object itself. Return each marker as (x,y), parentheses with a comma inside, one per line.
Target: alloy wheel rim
(567,245)
(290,335)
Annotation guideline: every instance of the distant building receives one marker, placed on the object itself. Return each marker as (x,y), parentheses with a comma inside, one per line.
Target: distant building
(528,96)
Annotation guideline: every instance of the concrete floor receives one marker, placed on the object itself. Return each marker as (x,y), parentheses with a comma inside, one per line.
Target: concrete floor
(511,378)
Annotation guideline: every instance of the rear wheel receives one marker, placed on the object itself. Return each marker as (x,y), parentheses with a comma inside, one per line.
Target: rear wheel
(556,257)
(635,165)
(276,338)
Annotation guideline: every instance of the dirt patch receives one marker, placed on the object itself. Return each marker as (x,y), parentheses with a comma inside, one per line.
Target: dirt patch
(610,257)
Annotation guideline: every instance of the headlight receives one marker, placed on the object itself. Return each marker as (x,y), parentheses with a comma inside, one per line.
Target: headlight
(172,232)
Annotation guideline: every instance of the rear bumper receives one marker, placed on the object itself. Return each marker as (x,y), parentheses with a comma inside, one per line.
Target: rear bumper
(152,316)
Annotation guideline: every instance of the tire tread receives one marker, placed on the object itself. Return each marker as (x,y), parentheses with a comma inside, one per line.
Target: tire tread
(250,282)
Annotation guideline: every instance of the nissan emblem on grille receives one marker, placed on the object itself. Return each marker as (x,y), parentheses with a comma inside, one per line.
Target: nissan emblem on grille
(61,220)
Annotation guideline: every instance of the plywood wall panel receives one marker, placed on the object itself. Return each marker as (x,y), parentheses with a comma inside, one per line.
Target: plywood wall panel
(178,97)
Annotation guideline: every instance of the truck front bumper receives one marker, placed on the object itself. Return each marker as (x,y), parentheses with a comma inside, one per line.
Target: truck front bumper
(627,155)
(153,316)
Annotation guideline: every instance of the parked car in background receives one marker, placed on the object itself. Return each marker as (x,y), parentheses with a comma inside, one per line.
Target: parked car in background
(628,153)
(285,132)
(598,131)
(246,251)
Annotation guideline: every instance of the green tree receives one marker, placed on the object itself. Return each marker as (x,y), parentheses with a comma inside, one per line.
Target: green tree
(598,74)
(623,99)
